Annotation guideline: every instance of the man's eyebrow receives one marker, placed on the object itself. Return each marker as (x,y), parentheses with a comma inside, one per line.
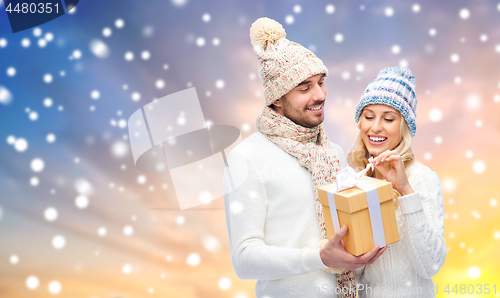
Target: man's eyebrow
(309,81)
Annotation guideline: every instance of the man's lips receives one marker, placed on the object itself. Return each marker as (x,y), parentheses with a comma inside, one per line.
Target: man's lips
(317,111)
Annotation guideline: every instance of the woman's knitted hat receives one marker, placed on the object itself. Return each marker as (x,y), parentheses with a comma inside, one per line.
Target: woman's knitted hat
(283,64)
(394,87)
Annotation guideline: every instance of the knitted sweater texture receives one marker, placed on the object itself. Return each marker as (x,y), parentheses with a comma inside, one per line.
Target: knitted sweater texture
(272,223)
(406,267)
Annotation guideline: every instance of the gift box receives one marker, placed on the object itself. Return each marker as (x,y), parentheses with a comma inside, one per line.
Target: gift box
(367,209)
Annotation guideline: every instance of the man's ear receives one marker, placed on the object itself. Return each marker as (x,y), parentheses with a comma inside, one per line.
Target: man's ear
(278,102)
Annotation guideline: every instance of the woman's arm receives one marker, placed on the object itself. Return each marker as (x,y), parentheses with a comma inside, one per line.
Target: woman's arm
(423,211)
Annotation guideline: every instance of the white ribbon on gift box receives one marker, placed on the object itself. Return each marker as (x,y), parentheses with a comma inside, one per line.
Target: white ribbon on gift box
(347,178)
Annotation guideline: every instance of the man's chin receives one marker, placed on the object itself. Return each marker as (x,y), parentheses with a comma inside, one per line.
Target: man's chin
(308,124)
(312,124)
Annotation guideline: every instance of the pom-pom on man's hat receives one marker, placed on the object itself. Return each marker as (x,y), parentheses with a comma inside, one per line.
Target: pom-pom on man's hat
(394,87)
(283,64)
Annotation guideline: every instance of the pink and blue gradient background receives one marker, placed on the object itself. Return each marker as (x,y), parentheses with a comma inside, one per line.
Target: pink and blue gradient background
(91,265)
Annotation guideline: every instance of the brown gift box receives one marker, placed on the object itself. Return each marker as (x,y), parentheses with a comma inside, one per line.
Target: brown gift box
(352,210)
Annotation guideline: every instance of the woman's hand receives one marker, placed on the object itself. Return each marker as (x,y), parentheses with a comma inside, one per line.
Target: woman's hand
(396,174)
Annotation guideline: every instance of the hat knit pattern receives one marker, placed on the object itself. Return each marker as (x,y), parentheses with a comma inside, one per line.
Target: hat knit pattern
(283,64)
(394,87)
(312,149)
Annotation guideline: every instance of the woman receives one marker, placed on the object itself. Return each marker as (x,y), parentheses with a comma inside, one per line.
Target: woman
(386,115)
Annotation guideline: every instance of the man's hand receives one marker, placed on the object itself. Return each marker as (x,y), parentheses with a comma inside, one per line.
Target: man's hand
(335,255)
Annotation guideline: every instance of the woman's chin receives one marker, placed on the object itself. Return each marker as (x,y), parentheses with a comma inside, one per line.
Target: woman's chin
(375,151)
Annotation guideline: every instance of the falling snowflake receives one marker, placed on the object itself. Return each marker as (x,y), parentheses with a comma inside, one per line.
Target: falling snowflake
(32,282)
(193,259)
(464,13)
(5,96)
(224,283)
(11,71)
(47,78)
(50,214)
(37,165)
(396,49)
(338,37)
(289,19)
(119,23)
(479,167)
(145,55)
(435,115)
(58,242)
(330,9)
(474,272)
(106,32)
(219,84)
(100,49)
(129,56)
(389,12)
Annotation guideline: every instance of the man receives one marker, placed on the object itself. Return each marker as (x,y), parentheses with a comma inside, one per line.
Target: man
(274,218)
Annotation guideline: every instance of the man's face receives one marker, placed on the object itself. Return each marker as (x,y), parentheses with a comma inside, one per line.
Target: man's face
(304,103)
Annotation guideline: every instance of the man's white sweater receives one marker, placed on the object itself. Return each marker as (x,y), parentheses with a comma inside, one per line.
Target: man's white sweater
(272,223)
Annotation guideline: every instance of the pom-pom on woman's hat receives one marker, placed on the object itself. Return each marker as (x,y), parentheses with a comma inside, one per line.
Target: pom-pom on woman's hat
(394,87)
(283,64)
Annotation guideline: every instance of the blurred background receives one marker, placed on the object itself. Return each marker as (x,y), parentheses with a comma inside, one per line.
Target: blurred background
(77,219)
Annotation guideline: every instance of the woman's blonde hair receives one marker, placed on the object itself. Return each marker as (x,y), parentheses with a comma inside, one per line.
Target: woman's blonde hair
(358,157)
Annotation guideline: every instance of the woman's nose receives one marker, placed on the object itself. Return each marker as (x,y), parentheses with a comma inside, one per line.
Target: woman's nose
(377,126)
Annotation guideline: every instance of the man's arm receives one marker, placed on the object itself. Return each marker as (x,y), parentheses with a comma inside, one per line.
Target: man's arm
(245,208)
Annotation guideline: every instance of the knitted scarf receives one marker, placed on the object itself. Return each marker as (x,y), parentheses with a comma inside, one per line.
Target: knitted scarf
(312,149)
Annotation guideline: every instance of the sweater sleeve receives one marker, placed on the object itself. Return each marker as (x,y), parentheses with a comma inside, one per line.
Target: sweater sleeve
(245,204)
(423,211)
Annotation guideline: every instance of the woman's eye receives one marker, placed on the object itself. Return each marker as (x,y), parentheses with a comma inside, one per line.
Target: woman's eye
(305,90)
(369,117)
(389,120)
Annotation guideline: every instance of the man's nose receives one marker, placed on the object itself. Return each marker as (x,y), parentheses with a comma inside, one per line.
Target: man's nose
(319,94)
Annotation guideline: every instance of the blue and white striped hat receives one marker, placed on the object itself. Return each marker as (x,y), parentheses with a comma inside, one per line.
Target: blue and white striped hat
(394,87)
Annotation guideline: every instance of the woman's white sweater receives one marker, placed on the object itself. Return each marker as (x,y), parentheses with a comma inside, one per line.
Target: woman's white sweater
(406,267)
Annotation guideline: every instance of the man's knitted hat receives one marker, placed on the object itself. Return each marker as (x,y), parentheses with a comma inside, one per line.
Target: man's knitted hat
(283,64)
(394,87)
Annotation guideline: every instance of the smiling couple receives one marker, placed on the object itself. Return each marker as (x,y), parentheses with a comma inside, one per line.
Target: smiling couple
(275,221)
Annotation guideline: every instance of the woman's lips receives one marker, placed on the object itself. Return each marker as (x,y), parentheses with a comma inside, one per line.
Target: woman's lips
(377,143)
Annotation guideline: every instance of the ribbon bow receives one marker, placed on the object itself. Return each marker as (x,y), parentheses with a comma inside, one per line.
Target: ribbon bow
(347,177)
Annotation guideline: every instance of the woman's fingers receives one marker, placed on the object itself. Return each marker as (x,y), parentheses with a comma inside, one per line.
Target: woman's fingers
(381,169)
(396,162)
(388,153)
(393,158)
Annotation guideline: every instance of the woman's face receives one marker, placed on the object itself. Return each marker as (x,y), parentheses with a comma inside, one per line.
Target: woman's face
(380,128)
